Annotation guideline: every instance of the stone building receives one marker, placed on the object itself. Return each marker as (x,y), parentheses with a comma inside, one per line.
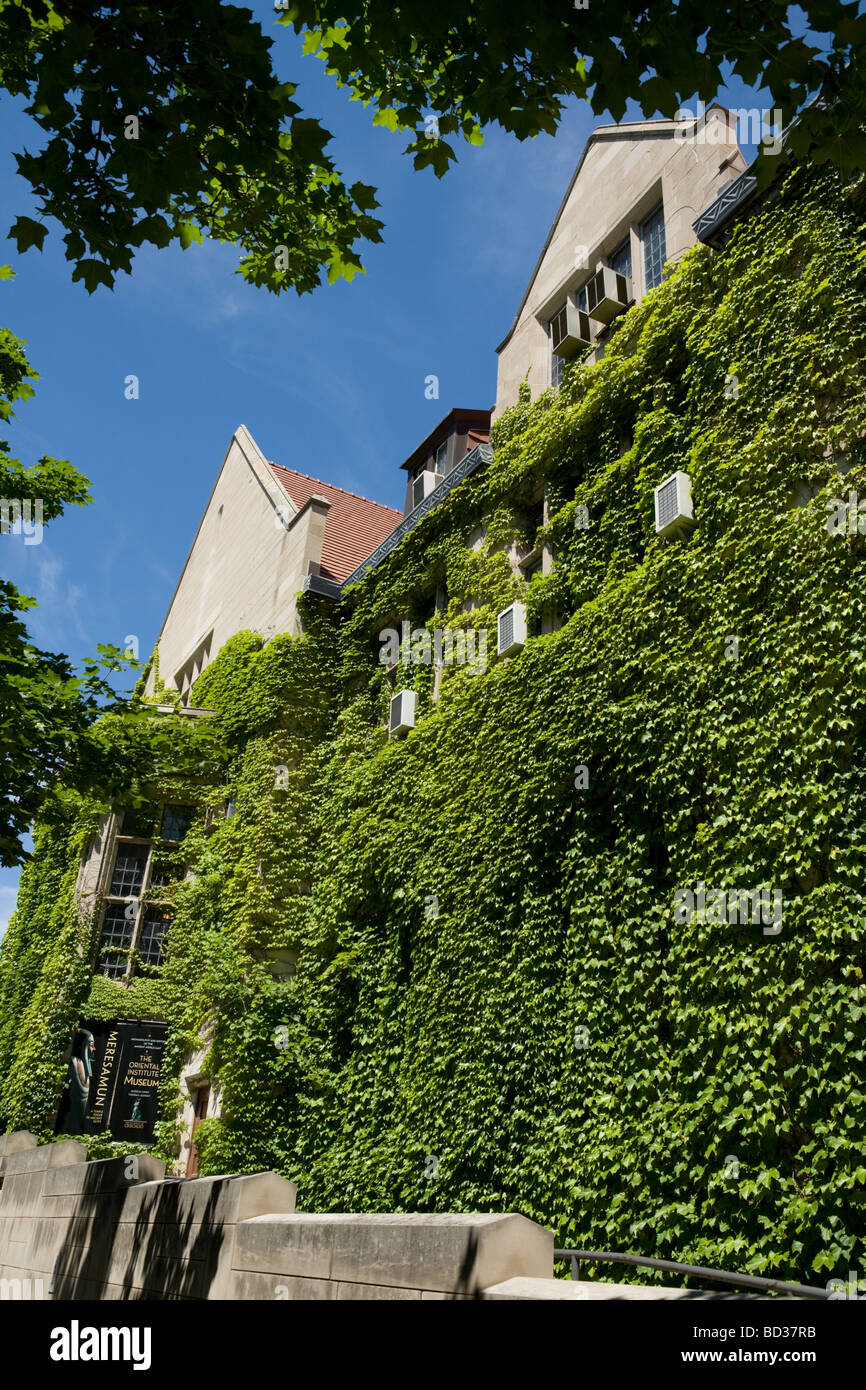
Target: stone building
(264,529)
(269,532)
(630,206)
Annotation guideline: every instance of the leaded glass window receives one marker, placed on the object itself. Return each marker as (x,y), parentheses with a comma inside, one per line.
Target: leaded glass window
(115,941)
(556,365)
(154,931)
(654,249)
(129,865)
(113,967)
(620,260)
(117,927)
(139,820)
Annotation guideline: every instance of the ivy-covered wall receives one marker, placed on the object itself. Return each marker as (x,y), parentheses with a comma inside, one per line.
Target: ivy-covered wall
(494,1006)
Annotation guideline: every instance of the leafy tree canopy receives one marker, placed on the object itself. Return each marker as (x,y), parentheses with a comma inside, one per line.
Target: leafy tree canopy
(482,62)
(168,123)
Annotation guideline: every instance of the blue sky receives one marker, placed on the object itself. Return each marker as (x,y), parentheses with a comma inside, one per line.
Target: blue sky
(331,384)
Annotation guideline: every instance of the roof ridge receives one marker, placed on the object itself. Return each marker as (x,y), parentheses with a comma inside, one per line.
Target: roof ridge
(334,486)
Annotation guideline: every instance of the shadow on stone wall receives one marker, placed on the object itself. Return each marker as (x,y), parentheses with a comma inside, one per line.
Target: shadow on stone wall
(156,1241)
(467,1279)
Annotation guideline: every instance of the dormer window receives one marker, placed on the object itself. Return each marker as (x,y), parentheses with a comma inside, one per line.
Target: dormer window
(426,479)
(442,452)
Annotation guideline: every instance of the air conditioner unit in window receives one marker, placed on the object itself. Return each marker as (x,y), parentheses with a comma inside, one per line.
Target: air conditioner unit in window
(570,330)
(673,503)
(401,714)
(607,294)
(511,629)
(423,486)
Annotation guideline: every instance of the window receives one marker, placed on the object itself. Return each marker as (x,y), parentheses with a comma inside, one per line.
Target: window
(133,929)
(113,967)
(116,928)
(115,941)
(129,865)
(161,877)
(176,821)
(533,568)
(654,250)
(620,259)
(441,456)
(424,608)
(154,931)
(535,517)
(139,820)
(187,676)
(556,363)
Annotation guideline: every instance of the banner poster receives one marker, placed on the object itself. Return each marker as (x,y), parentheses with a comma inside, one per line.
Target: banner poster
(113,1074)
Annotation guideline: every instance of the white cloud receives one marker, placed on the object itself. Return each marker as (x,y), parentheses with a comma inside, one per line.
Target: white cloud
(197,285)
(59,602)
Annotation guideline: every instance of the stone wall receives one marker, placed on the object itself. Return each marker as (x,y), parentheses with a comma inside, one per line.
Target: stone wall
(119,1229)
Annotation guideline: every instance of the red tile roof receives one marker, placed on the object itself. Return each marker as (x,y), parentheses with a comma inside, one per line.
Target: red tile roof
(355,526)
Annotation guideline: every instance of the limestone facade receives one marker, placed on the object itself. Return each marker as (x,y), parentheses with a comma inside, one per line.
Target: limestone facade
(626,173)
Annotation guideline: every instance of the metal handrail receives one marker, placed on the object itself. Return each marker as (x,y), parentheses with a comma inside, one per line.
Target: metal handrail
(749,1281)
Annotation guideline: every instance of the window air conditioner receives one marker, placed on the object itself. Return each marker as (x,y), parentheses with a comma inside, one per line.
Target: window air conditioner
(423,486)
(401,714)
(607,294)
(571,330)
(511,629)
(673,503)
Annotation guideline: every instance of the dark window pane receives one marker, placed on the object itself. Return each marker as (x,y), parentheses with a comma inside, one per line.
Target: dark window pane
(113,968)
(139,820)
(556,365)
(176,821)
(129,865)
(620,261)
(535,518)
(162,876)
(152,942)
